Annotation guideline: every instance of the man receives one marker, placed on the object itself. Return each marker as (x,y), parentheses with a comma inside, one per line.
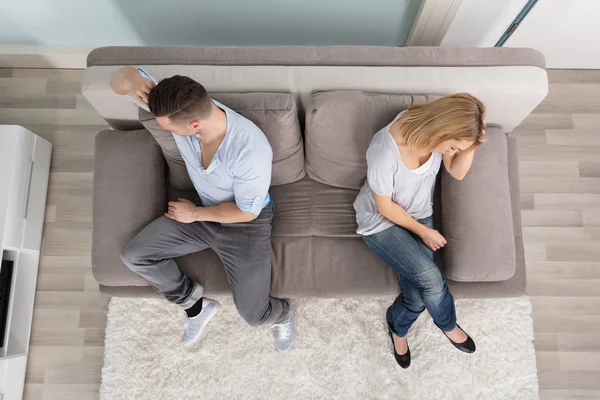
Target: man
(229,161)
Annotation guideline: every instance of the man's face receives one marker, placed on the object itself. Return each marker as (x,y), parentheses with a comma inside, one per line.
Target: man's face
(181,129)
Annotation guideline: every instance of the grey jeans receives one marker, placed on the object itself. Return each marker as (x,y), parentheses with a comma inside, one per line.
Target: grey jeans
(244,250)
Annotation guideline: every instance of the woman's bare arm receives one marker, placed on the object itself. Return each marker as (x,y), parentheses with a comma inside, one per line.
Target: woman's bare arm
(392,211)
(459,164)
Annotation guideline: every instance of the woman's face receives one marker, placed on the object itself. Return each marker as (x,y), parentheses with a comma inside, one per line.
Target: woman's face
(452,146)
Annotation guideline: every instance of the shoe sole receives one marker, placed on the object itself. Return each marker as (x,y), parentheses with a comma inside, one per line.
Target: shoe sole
(285,351)
(210,316)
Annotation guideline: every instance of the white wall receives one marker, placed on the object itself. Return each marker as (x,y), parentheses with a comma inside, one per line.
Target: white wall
(567,32)
(480,23)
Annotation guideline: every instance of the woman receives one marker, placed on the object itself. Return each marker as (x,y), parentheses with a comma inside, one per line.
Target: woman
(394,207)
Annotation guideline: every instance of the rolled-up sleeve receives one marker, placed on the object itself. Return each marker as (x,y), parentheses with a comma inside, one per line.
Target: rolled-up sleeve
(251,183)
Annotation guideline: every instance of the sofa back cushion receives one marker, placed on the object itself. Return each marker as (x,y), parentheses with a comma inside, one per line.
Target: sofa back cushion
(339,128)
(477,217)
(178,177)
(275,113)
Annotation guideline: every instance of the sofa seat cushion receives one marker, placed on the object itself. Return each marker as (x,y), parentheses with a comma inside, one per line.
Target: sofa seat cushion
(293,208)
(334,214)
(310,208)
(291,274)
(345,266)
(477,217)
(275,114)
(339,128)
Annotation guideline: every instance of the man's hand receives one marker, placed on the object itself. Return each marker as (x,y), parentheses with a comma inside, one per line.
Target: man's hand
(433,239)
(129,81)
(139,88)
(182,211)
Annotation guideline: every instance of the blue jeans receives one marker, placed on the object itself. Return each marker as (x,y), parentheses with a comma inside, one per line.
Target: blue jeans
(421,282)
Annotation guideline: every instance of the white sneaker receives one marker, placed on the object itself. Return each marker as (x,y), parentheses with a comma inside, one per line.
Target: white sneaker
(284,333)
(195,325)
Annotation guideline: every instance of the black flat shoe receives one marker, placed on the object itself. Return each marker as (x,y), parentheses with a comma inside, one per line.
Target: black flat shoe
(403,360)
(468,346)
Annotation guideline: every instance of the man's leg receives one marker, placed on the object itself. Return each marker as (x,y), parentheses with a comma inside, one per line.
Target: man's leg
(245,250)
(150,255)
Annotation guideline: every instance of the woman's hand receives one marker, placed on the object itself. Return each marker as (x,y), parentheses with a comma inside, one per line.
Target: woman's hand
(459,164)
(472,147)
(433,239)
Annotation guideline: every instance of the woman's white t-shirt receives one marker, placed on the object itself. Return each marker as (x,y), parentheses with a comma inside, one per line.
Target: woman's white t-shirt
(387,174)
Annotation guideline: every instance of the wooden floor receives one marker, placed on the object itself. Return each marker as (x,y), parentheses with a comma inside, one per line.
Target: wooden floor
(560,183)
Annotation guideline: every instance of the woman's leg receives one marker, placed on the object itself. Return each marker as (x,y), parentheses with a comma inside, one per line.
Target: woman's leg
(405,310)
(409,301)
(408,255)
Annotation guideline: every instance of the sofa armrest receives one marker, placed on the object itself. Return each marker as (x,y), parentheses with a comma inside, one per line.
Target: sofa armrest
(129,192)
(477,217)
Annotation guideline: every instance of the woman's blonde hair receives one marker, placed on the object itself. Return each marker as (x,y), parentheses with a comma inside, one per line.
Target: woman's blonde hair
(459,116)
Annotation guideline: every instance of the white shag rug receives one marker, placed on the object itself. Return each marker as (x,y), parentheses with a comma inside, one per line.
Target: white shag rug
(342,351)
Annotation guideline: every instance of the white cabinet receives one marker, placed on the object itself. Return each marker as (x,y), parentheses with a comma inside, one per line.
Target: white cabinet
(36,201)
(24,171)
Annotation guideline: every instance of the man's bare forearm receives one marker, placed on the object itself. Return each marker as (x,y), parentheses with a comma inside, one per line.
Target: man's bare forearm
(225,213)
(119,79)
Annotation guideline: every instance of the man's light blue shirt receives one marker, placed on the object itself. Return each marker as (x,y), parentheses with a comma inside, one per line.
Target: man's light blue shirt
(240,170)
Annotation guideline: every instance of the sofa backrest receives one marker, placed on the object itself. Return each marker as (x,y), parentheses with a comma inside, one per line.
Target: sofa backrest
(511,82)
(275,114)
(339,127)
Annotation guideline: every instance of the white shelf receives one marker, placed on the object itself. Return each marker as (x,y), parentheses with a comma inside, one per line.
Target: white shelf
(24,171)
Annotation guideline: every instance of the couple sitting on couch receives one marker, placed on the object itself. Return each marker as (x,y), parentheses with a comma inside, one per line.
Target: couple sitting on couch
(229,161)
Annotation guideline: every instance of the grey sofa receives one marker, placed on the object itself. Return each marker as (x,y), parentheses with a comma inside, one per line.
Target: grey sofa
(319,107)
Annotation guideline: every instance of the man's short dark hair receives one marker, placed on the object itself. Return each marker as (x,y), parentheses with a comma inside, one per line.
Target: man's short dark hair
(180,98)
